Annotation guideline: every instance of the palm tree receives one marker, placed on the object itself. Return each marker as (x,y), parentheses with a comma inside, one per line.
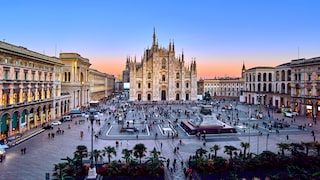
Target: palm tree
(155,154)
(58,170)
(97,154)
(317,146)
(229,150)
(139,151)
(127,154)
(155,163)
(245,146)
(109,151)
(283,147)
(81,152)
(215,148)
(308,145)
(201,152)
(296,148)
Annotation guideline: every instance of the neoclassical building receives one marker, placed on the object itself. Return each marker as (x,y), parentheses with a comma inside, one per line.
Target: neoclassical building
(30,90)
(101,85)
(305,86)
(227,87)
(161,76)
(294,85)
(75,79)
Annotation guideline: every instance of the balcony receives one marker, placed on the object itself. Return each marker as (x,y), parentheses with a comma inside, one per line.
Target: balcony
(23,104)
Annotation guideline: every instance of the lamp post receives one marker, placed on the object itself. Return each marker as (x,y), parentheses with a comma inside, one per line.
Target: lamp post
(249,136)
(92,174)
(91,117)
(267,142)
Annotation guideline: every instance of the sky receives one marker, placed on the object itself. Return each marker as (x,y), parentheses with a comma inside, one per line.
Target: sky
(220,34)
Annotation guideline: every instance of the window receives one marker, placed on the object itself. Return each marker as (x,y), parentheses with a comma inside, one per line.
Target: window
(15,98)
(6,74)
(149,85)
(149,75)
(187,85)
(45,76)
(33,75)
(177,76)
(309,77)
(318,78)
(163,63)
(39,76)
(25,75)
(16,75)
(50,76)
(139,85)
(17,62)
(6,61)
(177,85)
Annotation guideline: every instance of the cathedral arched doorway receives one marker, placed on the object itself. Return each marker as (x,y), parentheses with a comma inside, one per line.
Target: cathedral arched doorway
(187,97)
(149,97)
(139,97)
(177,97)
(163,95)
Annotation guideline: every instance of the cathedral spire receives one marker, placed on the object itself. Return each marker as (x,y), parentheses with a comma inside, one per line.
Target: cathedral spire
(182,56)
(154,36)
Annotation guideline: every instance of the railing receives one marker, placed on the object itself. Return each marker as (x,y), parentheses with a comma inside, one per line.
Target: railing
(21,104)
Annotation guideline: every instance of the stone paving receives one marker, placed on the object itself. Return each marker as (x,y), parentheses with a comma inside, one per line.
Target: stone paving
(43,152)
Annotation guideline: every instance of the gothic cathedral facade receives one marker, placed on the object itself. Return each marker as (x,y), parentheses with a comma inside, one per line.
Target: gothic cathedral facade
(160,76)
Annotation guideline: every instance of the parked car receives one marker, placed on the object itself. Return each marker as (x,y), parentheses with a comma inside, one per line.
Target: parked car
(66,118)
(295,113)
(55,123)
(48,127)
(2,154)
(287,114)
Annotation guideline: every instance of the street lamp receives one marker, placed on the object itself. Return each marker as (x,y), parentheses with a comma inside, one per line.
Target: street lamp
(91,117)
(267,142)
(92,171)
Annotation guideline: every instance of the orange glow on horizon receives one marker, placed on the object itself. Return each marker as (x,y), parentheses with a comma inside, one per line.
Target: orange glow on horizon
(204,70)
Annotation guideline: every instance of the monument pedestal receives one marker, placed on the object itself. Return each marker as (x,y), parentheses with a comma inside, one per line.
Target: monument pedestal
(92,174)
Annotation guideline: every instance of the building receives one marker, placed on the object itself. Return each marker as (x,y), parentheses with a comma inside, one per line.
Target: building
(162,76)
(226,87)
(222,87)
(294,85)
(30,90)
(305,88)
(101,85)
(258,88)
(75,79)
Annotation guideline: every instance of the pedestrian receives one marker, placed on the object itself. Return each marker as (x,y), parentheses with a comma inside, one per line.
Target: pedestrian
(287,137)
(24,150)
(21,151)
(161,145)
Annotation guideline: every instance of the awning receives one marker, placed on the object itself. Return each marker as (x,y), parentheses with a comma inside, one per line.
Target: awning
(75,111)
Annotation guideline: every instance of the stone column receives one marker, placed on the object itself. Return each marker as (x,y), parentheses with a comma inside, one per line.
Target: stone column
(41,117)
(47,112)
(10,127)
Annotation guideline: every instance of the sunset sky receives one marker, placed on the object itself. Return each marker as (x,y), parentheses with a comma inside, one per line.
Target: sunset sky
(220,34)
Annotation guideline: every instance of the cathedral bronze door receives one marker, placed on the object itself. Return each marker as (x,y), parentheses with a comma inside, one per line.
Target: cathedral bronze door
(163,95)
(187,97)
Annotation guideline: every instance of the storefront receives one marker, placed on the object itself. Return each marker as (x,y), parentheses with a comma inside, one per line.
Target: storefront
(309,108)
